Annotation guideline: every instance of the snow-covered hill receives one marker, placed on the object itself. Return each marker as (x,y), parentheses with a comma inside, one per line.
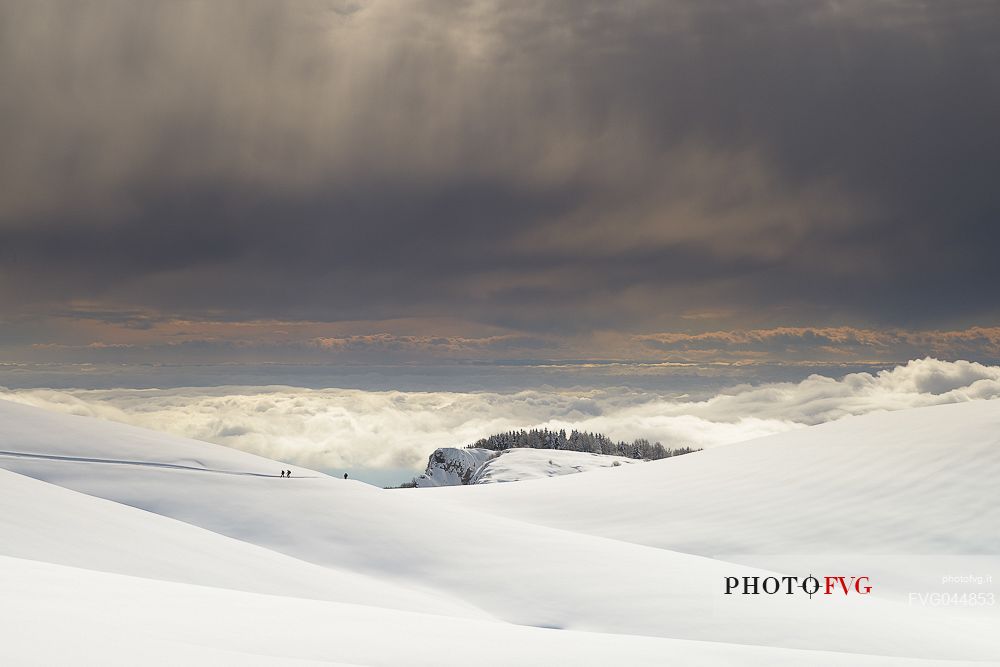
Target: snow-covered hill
(911,481)
(520,464)
(122,542)
(452,466)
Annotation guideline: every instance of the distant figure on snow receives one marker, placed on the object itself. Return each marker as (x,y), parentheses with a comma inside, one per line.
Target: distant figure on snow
(288,473)
(345,475)
(282,473)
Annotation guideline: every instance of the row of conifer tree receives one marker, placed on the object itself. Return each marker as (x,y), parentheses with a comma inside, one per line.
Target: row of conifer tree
(578,441)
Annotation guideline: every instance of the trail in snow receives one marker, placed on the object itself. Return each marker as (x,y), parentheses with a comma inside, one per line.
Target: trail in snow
(146,464)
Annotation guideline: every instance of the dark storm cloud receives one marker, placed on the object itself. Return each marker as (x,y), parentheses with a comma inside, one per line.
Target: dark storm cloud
(545,166)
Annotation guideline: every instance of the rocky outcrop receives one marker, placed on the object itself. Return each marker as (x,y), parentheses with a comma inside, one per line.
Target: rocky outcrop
(452,466)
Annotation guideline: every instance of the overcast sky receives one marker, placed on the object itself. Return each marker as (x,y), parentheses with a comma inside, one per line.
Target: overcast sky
(418,180)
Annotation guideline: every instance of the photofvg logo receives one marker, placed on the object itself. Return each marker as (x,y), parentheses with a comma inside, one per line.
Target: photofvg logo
(810,585)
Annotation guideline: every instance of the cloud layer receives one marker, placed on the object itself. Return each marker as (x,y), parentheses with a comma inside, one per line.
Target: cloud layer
(89,335)
(338,428)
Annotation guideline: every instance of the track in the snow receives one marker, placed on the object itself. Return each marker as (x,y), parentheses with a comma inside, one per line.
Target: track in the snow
(148,464)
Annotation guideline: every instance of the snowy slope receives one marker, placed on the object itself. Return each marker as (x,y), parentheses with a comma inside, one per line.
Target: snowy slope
(107,620)
(908,497)
(520,464)
(919,481)
(584,560)
(562,579)
(48,523)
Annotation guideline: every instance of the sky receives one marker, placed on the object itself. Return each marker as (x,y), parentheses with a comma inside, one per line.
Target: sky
(343,233)
(418,182)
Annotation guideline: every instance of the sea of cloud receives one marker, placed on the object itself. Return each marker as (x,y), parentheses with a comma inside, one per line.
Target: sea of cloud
(353,428)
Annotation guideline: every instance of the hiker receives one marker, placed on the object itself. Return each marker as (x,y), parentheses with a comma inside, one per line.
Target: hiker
(288,473)
(345,475)
(282,473)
